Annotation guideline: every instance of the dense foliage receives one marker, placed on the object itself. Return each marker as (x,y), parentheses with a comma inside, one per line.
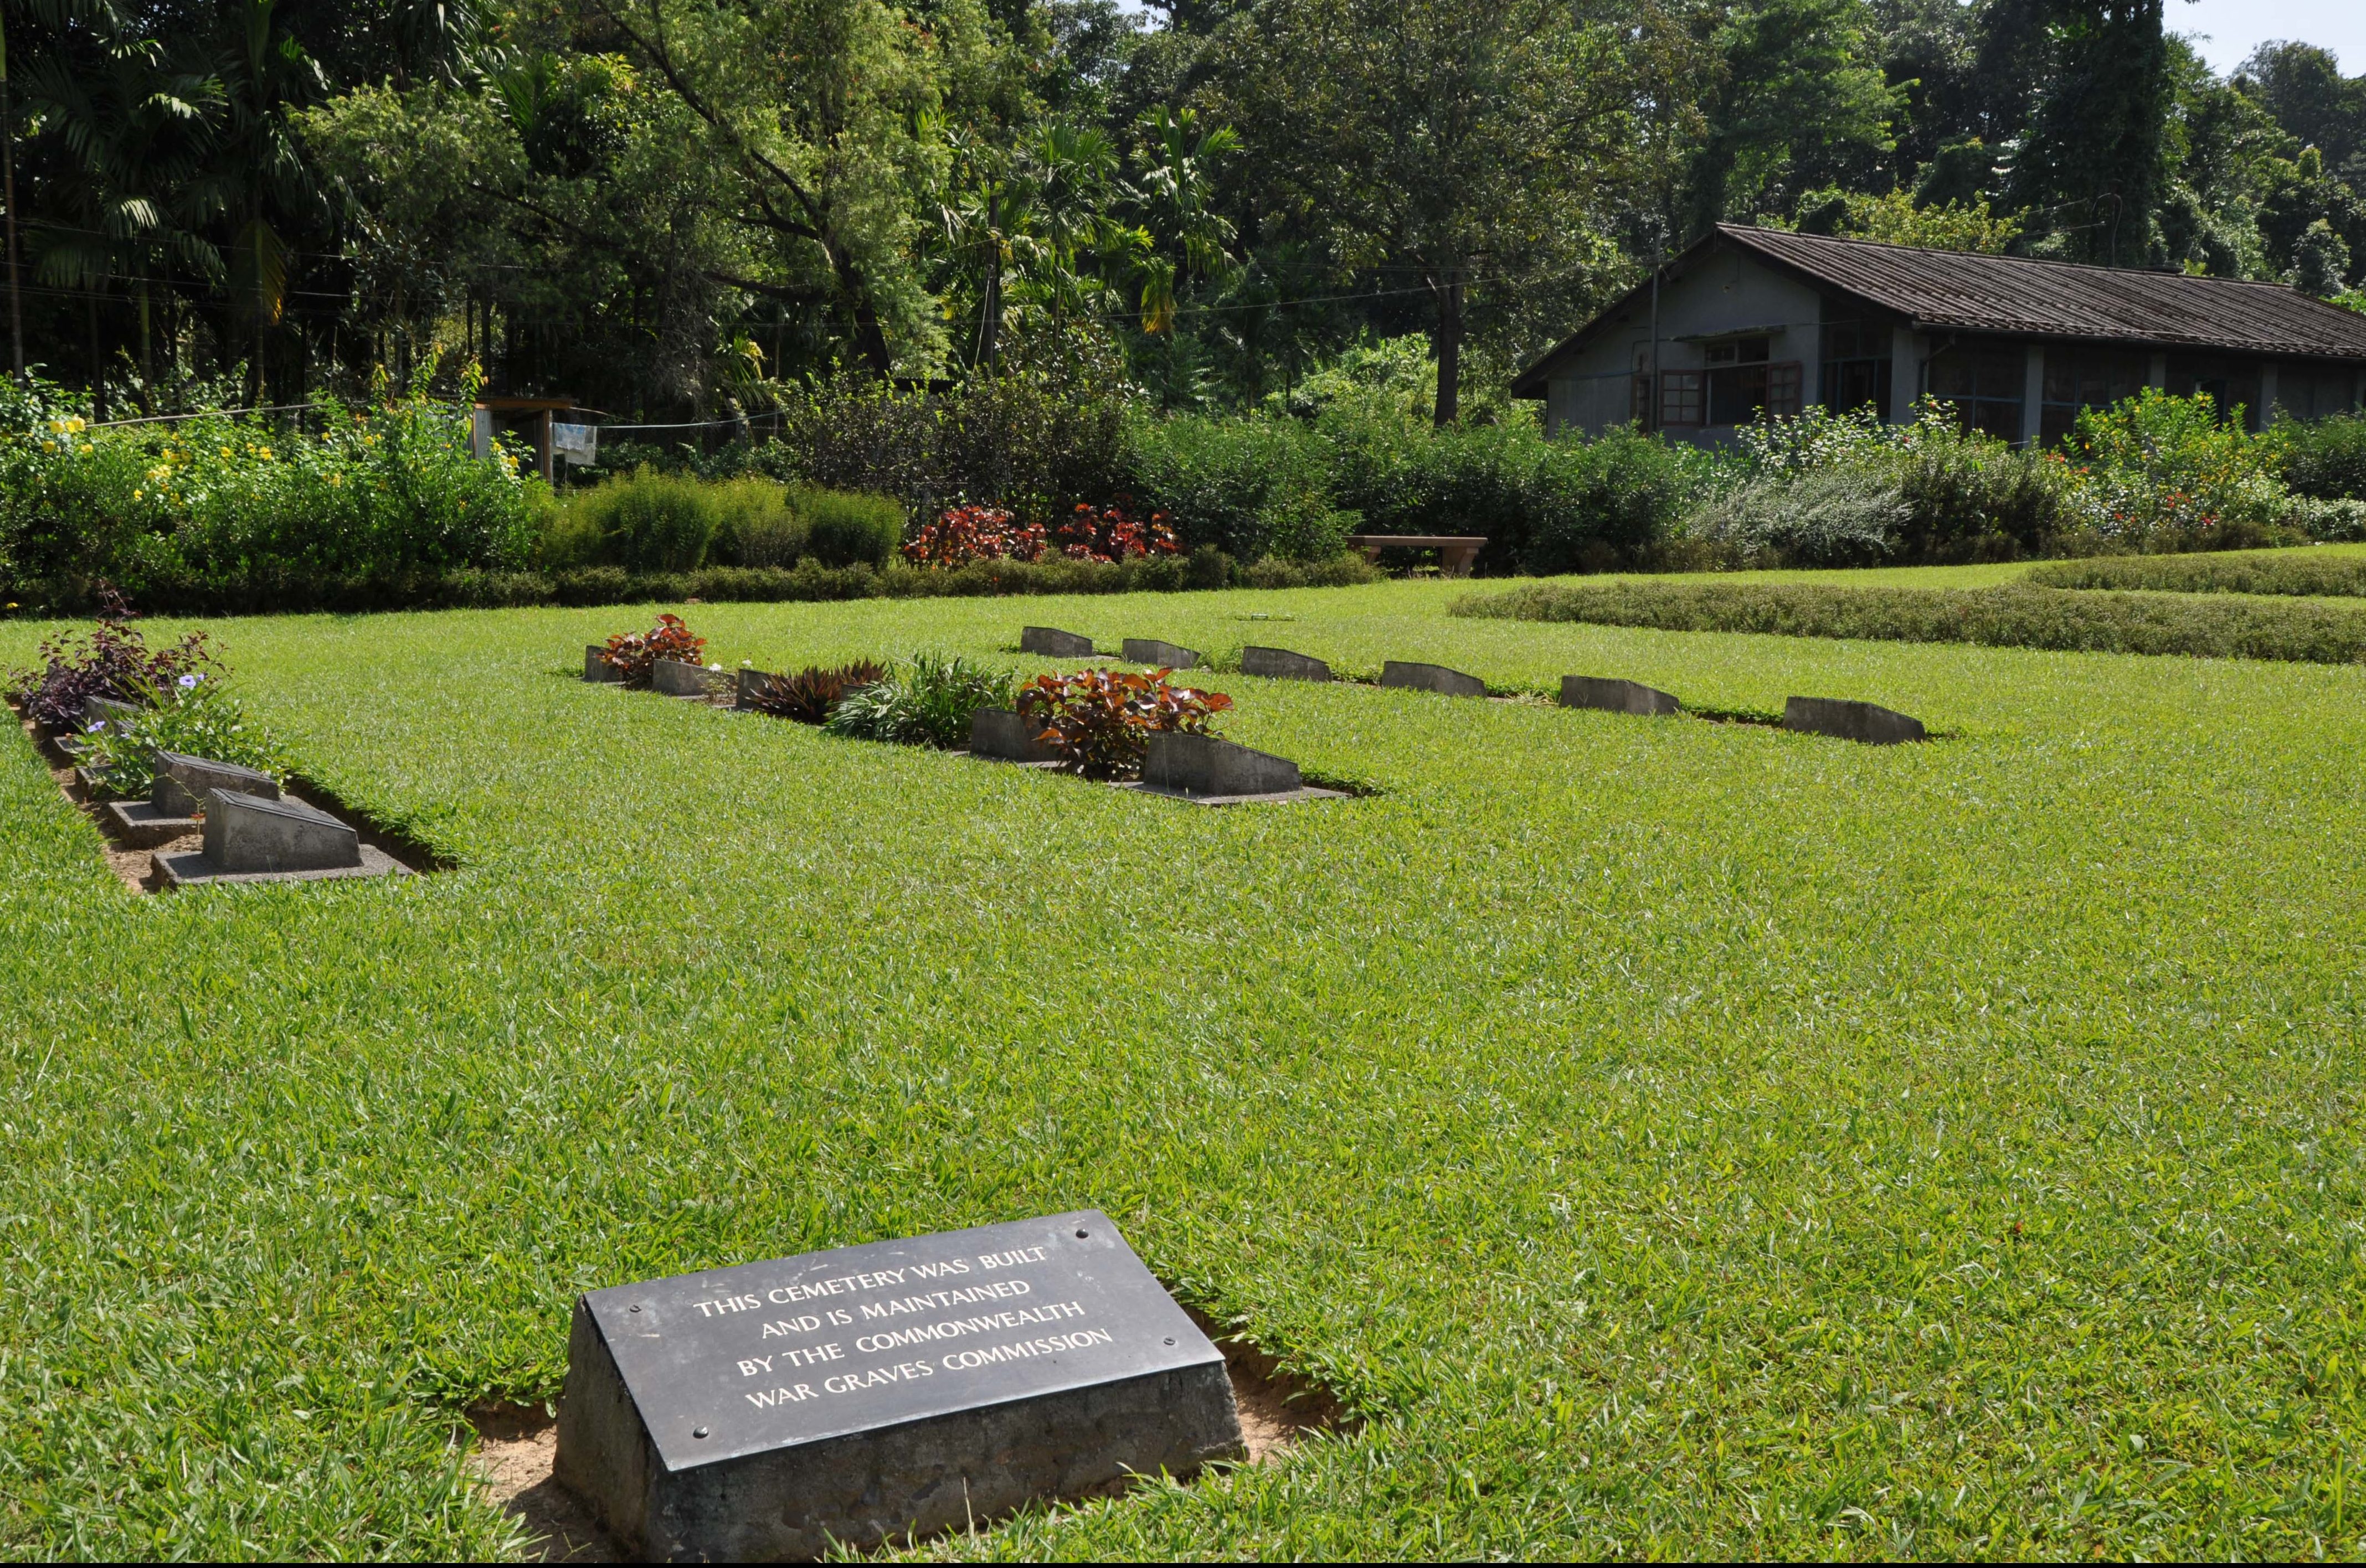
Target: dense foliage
(1099,721)
(113,660)
(634,655)
(813,693)
(926,700)
(194,717)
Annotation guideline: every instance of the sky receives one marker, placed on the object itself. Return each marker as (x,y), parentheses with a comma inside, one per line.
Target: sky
(2235,28)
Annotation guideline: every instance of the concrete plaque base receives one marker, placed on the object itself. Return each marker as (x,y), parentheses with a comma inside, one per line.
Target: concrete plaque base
(1055,644)
(598,669)
(850,1397)
(193,870)
(999,734)
(1150,651)
(1848,721)
(675,678)
(141,826)
(1430,678)
(1280,664)
(1615,696)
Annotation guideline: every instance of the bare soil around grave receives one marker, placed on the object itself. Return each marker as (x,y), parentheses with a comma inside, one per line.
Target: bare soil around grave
(518,1445)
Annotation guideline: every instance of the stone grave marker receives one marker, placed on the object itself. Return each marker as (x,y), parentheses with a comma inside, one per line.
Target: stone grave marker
(775,1409)
(1280,664)
(1150,651)
(677,678)
(751,681)
(182,781)
(597,668)
(254,838)
(1055,644)
(1000,735)
(1615,696)
(1430,678)
(1850,721)
(106,708)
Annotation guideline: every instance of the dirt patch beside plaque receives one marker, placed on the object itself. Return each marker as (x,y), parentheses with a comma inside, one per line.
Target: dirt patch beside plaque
(518,1444)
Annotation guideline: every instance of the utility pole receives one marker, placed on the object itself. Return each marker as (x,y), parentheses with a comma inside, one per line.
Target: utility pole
(8,177)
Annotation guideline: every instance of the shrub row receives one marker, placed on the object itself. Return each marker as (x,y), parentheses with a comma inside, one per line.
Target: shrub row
(808,581)
(2010,617)
(2285,572)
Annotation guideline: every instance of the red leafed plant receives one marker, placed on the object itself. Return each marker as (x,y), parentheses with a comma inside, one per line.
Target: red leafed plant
(1100,722)
(967,534)
(1114,533)
(634,654)
(811,694)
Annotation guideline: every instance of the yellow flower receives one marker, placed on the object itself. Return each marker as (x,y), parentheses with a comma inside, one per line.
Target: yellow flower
(49,446)
(336,478)
(227,452)
(138,495)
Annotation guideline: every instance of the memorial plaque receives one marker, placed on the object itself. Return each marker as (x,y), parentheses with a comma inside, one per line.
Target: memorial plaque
(751,685)
(1201,764)
(1615,696)
(676,677)
(1430,678)
(107,709)
(846,1397)
(1848,721)
(1055,644)
(182,781)
(258,832)
(1150,651)
(999,734)
(1280,664)
(597,668)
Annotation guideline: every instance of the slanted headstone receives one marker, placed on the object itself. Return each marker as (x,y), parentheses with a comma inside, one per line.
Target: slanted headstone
(1180,764)
(596,667)
(255,832)
(1617,696)
(1849,721)
(1055,644)
(107,709)
(676,677)
(1001,735)
(1150,651)
(1430,678)
(751,682)
(181,782)
(1280,664)
(843,1398)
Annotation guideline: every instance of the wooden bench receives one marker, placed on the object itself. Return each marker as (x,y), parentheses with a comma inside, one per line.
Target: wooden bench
(1455,551)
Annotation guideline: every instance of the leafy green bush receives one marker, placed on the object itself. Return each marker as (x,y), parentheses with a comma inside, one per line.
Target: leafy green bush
(843,529)
(643,522)
(212,505)
(929,702)
(2158,472)
(1252,486)
(2010,617)
(2330,522)
(2311,572)
(1832,516)
(1611,499)
(195,717)
(2325,458)
(756,523)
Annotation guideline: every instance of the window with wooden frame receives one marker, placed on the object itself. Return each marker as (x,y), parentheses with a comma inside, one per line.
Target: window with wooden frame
(1680,397)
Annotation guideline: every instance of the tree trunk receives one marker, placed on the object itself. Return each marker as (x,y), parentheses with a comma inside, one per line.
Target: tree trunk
(1449,291)
(147,348)
(991,320)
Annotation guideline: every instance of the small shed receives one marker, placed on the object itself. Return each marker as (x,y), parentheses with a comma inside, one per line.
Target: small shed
(1762,320)
(532,415)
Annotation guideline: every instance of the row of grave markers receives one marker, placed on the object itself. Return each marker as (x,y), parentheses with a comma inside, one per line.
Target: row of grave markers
(1840,717)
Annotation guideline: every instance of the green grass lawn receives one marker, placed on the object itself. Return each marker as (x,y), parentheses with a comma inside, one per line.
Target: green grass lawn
(1674,1137)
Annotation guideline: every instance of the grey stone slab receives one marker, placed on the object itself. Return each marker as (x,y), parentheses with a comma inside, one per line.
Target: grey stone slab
(1055,644)
(106,708)
(143,825)
(1851,720)
(254,832)
(181,782)
(1150,651)
(750,682)
(598,669)
(1202,765)
(191,868)
(1430,678)
(677,678)
(1615,696)
(1267,798)
(999,734)
(1280,664)
(772,1410)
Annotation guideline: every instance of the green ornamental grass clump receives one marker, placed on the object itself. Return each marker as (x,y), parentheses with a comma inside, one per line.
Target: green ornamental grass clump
(926,700)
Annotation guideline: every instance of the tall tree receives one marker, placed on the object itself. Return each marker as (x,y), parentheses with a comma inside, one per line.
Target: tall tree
(2089,168)
(1463,142)
(1797,102)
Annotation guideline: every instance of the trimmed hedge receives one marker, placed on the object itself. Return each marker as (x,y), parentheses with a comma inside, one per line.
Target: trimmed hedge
(808,581)
(2010,617)
(2291,572)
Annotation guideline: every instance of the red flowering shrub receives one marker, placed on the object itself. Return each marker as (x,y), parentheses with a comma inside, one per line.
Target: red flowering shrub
(1112,534)
(635,653)
(967,534)
(1100,722)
